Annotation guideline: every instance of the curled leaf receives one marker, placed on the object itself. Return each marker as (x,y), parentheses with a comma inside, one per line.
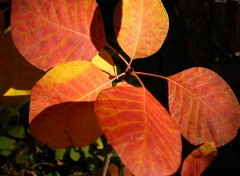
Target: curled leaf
(199,159)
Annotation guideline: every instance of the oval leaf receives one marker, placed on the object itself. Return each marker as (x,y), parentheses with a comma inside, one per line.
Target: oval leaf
(203,106)
(140,130)
(141,27)
(199,159)
(61,105)
(49,33)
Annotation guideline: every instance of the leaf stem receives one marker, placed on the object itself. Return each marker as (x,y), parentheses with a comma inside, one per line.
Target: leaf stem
(139,80)
(123,59)
(117,77)
(153,75)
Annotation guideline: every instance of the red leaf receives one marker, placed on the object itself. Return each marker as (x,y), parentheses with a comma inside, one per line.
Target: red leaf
(17,76)
(49,33)
(66,124)
(203,106)
(140,130)
(199,159)
(56,99)
(141,27)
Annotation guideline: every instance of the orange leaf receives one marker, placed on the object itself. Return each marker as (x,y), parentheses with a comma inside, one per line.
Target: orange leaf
(140,26)
(17,76)
(56,100)
(140,130)
(204,106)
(49,33)
(114,171)
(199,159)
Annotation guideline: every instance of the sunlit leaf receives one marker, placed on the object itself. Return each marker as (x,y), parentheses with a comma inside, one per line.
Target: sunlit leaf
(62,105)
(105,62)
(16,92)
(140,130)
(140,26)
(86,151)
(199,159)
(59,154)
(74,154)
(203,106)
(48,33)
(17,76)
(100,144)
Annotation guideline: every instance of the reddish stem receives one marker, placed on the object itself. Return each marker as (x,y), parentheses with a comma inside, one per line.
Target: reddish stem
(139,80)
(123,59)
(153,75)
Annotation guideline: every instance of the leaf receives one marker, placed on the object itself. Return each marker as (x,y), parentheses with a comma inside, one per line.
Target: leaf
(49,33)
(140,130)
(113,169)
(17,76)
(140,26)
(6,145)
(62,105)
(105,62)
(59,154)
(199,159)
(17,132)
(74,154)
(86,151)
(203,106)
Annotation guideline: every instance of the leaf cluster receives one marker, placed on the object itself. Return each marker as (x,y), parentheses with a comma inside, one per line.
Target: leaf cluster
(86,93)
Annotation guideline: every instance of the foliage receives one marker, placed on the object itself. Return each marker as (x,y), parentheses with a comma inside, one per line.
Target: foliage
(84,94)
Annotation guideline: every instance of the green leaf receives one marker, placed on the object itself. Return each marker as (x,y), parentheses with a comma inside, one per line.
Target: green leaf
(86,152)
(99,143)
(59,154)
(17,132)
(53,174)
(74,154)
(12,111)
(22,158)
(6,145)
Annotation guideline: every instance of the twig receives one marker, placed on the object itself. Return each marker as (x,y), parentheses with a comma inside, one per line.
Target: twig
(107,161)
(123,59)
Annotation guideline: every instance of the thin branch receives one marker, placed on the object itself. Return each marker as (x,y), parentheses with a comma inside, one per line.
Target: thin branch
(4,10)
(153,75)
(139,80)
(107,161)
(123,59)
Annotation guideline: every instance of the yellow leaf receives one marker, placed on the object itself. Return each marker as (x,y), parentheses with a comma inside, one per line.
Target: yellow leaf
(17,92)
(105,62)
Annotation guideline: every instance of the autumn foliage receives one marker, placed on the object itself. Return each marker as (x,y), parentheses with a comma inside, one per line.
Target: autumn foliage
(82,95)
